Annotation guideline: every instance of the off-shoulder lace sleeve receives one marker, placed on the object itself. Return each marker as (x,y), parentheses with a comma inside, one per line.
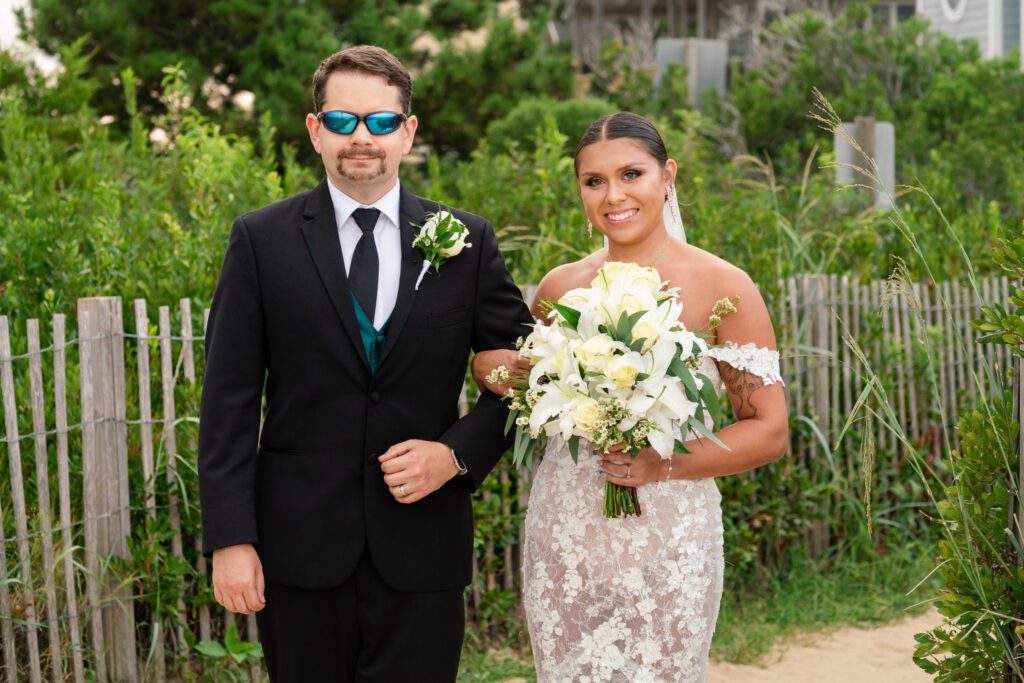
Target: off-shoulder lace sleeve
(757,360)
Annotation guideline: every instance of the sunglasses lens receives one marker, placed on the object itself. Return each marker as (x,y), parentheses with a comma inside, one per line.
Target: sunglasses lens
(340,122)
(383,123)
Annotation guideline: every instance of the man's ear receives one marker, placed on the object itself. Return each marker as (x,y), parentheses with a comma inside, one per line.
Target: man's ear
(313,126)
(410,125)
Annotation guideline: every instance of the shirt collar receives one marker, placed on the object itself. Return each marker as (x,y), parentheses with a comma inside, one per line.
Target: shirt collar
(344,206)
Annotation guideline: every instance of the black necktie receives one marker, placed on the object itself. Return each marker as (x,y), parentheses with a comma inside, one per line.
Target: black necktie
(362,277)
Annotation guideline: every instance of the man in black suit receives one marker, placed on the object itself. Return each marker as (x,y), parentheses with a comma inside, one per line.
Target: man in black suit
(346,524)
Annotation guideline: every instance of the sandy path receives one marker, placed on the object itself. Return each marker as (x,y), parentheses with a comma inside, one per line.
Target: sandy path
(849,655)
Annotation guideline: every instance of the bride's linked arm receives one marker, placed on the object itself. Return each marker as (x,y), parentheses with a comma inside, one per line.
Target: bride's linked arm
(550,288)
(760,433)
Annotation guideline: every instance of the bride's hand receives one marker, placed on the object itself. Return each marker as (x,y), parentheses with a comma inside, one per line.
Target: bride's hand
(646,467)
(486,361)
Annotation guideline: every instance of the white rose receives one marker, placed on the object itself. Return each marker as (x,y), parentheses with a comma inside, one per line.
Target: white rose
(608,274)
(596,352)
(588,413)
(645,329)
(623,370)
(627,276)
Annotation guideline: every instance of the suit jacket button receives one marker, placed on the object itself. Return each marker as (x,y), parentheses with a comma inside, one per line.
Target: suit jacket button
(371,458)
(374,396)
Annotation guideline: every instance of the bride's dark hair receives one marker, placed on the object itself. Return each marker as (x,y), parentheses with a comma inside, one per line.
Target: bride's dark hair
(623,124)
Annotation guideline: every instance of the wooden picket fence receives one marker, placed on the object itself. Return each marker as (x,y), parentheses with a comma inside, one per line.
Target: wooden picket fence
(69,601)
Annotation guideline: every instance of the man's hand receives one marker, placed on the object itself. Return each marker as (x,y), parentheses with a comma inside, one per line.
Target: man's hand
(414,469)
(238,579)
(485,361)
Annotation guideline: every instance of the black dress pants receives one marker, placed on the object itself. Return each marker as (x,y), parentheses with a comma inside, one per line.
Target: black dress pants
(361,632)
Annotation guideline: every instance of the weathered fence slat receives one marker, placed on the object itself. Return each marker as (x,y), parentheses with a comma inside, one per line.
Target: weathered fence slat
(795,355)
(43,498)
(105,492)
(146,448)
(171,450)
(60,403)
(189,365)
(18,498)
(6,626)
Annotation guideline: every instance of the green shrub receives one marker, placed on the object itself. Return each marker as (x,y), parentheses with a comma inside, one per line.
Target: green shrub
(526,122)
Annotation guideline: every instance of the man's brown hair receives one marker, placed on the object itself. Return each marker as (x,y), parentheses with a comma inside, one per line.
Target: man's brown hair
(366,59)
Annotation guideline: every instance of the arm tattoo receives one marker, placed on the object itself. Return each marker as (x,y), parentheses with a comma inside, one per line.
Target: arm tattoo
(741,386)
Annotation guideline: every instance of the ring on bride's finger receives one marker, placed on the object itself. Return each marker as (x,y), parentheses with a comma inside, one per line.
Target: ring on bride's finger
(629,469)
(401,490)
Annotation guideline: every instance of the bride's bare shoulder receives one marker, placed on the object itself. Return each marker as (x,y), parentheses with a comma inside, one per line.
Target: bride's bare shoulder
(709,268)
(561,279)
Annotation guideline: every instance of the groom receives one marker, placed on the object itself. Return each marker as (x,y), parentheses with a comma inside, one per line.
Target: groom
(346,523)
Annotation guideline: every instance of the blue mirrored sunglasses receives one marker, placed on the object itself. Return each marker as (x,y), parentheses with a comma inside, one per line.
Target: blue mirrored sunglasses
(345,122)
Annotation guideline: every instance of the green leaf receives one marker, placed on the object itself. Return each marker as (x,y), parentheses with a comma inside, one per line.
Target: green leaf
(510,420)
(571,315)
(574,448)
(231,638)
(711,402)
(702,430)
(211,648)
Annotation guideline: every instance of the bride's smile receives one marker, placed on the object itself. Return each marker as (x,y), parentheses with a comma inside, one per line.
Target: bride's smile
(623,190)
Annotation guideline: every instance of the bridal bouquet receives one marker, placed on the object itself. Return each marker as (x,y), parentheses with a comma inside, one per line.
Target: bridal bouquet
(615,366)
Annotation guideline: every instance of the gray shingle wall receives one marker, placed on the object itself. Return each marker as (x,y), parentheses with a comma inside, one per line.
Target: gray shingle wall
(1011,25)
(974,23)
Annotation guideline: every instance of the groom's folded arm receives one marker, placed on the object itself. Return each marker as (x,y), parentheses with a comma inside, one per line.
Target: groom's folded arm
(231,400)
(500,316)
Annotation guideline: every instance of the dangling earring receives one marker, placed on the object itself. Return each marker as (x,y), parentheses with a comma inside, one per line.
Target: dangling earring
(590,229)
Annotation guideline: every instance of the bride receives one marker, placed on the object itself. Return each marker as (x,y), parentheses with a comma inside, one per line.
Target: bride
(636,598)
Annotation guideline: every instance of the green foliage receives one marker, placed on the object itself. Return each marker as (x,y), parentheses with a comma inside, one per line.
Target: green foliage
(447,16)
(526,122)
(230,656)
(464,90)
(979,554)
(983,585)
(88,212)
(270,48)
(938,92)
(997,324)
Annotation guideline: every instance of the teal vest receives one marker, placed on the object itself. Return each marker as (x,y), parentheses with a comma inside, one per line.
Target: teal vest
(373,339)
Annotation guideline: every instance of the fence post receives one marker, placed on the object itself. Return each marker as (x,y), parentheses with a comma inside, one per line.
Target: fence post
(818,360)
(105,482)
(1017,492)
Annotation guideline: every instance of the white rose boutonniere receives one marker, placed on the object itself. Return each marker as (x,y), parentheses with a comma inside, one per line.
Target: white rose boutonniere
(441,237)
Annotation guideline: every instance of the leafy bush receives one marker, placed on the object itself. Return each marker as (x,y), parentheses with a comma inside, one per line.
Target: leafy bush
(464,90)
(951,108)
(979,554)
(526,122)
(88,213)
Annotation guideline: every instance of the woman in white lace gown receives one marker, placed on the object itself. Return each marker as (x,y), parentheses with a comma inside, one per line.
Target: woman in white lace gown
(635,599)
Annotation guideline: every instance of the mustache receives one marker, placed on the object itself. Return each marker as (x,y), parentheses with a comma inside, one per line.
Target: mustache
(371,153)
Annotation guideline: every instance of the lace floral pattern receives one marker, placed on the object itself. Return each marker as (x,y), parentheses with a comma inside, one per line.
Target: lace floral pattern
(750,358)
(633,599)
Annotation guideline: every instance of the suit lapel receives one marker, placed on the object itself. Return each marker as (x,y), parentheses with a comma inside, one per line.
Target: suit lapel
(321,233)
(410,211)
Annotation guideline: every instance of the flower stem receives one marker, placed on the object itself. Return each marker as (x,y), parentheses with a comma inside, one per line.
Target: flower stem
(620,501)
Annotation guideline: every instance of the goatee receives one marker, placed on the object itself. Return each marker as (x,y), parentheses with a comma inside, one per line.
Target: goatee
(363,174)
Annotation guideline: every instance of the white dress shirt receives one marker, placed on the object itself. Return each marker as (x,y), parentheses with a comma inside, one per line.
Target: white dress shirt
(386,236)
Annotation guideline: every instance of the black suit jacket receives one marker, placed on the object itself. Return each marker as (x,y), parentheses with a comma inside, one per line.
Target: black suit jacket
(308,492)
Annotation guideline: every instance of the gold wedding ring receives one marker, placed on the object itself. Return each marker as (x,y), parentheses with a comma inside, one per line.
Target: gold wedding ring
(629,470)
(401,490)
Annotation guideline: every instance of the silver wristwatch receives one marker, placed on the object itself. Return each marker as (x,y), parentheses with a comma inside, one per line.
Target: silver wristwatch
(458,463)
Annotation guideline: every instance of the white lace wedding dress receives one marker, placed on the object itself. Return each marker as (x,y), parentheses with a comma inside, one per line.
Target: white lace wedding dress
(634,599)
